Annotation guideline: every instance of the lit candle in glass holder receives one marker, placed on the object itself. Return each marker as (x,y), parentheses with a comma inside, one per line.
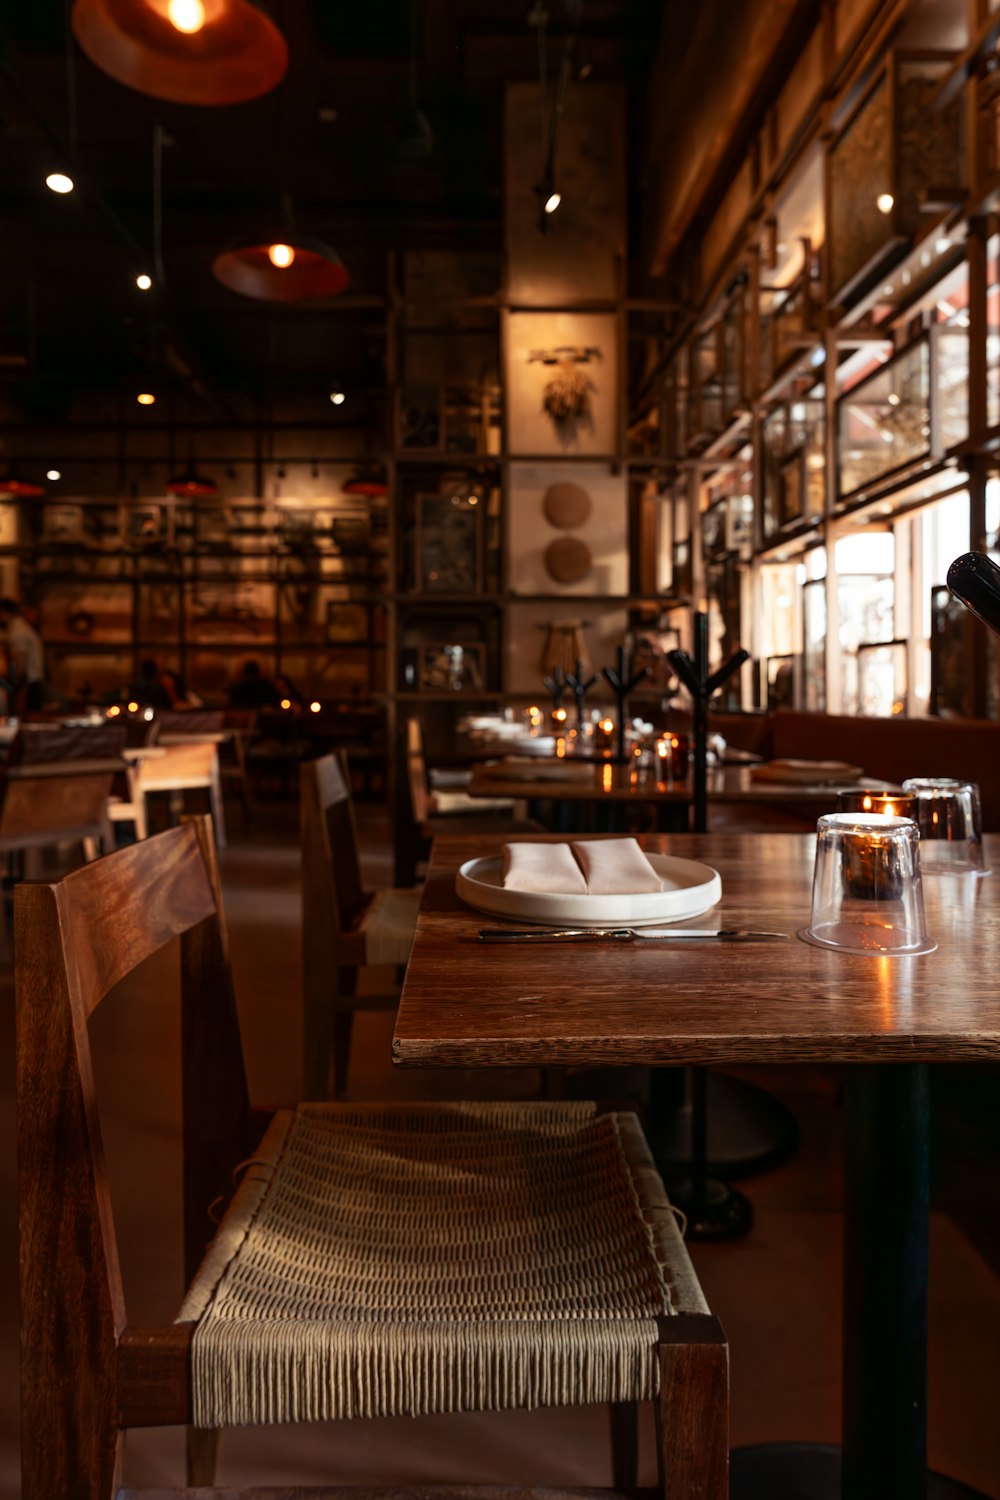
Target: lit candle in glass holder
(664,758)
(892,804)
(559,717)
(534,717)
(605,736)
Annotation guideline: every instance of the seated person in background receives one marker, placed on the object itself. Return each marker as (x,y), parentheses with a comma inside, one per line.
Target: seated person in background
(287,692)
(148,689)
(252,689)
(177,690)
(25,659)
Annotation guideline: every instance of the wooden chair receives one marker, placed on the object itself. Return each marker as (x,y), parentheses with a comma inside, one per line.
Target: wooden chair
(498,1187)
(344,929)
(422,812)
(173,768)
(55,804)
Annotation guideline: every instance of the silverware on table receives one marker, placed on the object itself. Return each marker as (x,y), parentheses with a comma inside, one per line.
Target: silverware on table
(621,934)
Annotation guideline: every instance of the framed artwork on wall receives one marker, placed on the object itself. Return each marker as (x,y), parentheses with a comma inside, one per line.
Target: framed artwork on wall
(448,544)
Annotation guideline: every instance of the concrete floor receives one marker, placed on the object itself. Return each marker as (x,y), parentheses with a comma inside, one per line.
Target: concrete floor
(777,1291)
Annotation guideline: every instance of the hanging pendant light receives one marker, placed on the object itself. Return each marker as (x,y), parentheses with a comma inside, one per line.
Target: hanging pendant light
(13,487)
(191,485)
(187,51)
(285,267)
(369,482)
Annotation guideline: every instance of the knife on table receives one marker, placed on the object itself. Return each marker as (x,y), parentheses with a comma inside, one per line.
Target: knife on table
(621,934)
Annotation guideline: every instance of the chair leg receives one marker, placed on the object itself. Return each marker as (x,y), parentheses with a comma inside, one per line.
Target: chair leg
(218,813)
(202,1456)
(343,1025)
(91,848)
(692,1412)
(624,1444)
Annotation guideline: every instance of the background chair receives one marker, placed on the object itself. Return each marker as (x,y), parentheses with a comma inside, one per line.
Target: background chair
(344,928)
(421,812)
(497,1185)
(190,765)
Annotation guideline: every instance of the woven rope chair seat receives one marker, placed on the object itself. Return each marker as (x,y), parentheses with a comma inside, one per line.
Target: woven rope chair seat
(383,1260)
(389,925)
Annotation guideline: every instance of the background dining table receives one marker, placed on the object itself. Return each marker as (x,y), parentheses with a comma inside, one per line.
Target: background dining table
(711,1002)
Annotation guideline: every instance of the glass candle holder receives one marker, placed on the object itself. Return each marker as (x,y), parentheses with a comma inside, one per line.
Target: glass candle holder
(604,735)
(892,804)
(949,816)
(867,896)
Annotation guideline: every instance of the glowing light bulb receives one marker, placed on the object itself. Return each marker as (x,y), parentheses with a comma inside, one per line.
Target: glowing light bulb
(314,708)
(186,15)
(114,711)
(884,203)
(59,182)
(133,708)
(52,475)
(281,256)
(338,398)
(146,398)
(552,202)
(143,282)
(286,702)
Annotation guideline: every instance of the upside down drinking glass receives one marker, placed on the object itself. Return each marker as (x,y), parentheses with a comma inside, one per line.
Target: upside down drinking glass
(867,896)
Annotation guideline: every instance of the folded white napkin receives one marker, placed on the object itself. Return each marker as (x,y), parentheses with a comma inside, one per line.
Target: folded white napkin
(550,868)
(615,867)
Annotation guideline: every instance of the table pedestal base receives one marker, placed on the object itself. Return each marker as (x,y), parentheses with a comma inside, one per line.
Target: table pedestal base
(811,1471)
(748,1129)
(723,1213)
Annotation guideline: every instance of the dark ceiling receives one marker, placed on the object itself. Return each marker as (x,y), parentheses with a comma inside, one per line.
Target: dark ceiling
(70,314)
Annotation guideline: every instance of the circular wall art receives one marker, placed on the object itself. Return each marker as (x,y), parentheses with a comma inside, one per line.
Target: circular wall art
(566,505)
(567,559)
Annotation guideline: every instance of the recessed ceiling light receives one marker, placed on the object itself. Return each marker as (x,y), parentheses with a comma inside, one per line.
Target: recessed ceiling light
(338,397)
(53,475)
(59,182)
(884,203)
(146,398)
(143,282)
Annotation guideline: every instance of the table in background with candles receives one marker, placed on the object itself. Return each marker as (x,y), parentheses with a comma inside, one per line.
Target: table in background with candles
(658,1005)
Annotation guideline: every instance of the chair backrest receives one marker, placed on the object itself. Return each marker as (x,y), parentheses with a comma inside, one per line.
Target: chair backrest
(39,808)
(74,940)
(37,744)
(331,864)
(188,764)
(416,770)
(189,721)
(332,897)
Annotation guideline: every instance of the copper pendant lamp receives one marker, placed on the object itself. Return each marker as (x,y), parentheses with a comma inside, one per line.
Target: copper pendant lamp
(13,487)
(191,485)
(288,267)
(187,51)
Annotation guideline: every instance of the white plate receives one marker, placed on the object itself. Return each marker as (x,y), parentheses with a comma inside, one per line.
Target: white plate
(691,889)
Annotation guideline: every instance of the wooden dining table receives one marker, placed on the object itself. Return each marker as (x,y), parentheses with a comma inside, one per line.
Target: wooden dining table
(666,1004)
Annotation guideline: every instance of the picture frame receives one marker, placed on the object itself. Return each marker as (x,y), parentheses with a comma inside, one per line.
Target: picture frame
(791,496)
(448,544)
(346,622)
(451,666)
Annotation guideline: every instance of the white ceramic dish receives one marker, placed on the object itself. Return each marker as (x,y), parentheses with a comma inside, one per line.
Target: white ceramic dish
(690,889)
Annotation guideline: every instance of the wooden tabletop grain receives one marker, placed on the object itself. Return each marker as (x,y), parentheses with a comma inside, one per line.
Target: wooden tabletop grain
(467,1004)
